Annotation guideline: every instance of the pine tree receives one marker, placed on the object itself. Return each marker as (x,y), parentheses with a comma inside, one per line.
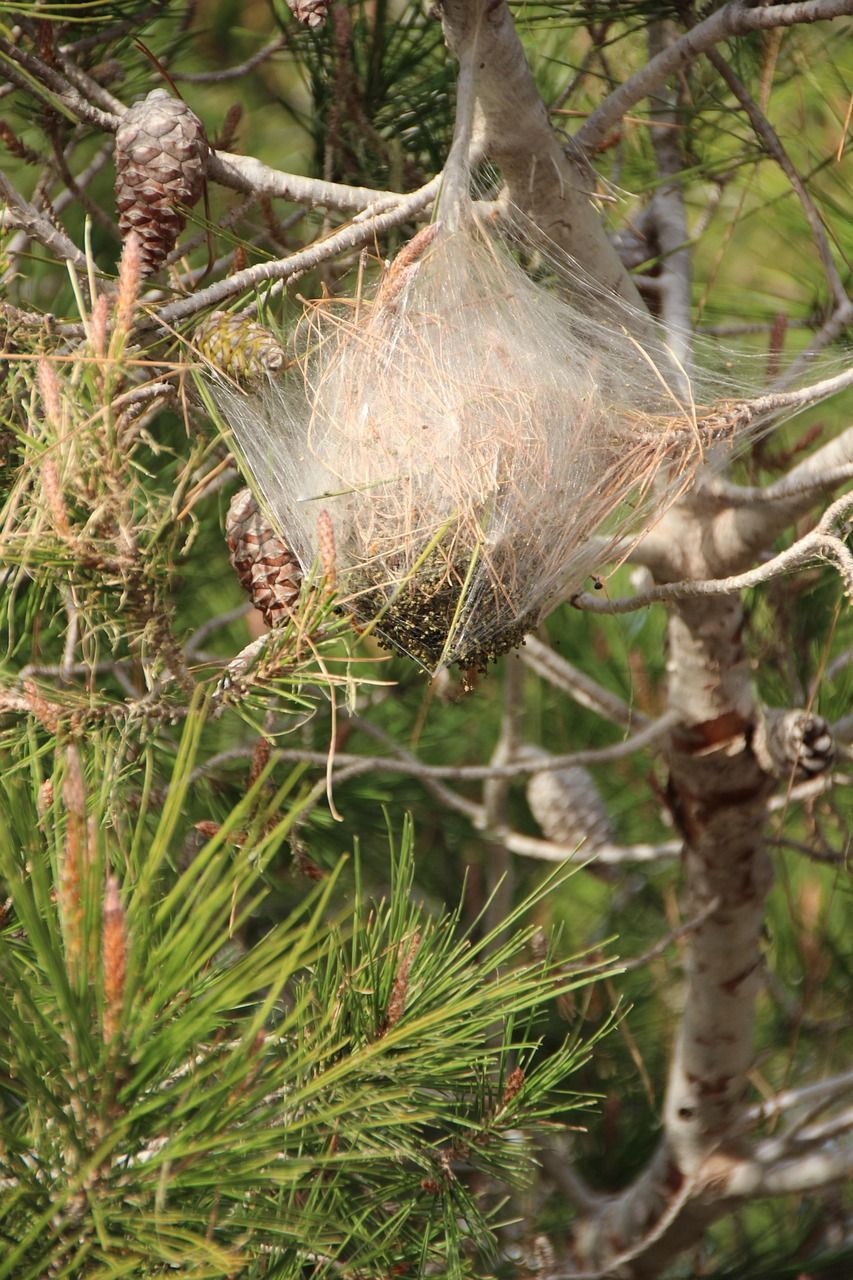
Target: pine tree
(255,1020)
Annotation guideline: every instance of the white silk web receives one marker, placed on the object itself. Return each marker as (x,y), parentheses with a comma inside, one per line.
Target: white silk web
(475,437)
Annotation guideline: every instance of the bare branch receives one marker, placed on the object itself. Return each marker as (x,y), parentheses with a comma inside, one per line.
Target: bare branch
(667,209)
(811,1171)
(352,236)
(35,224)
(560,673)
(690,926)
(607,855)
(34,76)
(484,822)
(235,72)
(792,401)
(821,543)
(734,19)
(252,177)
(827,466)
(772,145)
(215,624)
(647,737)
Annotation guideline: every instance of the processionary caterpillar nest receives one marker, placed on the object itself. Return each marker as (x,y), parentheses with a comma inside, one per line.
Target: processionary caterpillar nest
(469,432)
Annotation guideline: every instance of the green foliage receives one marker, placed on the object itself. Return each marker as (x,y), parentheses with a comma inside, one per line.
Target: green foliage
(184,1086)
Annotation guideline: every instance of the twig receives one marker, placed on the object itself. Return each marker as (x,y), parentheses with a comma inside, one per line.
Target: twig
(215,624)
(88,86)
(350,237)
(734,19)
(772,145)
(560,673)
(783,401)
(35,224)
(499,870)
(656,1232)
(790,1099)
(235,72)
(40,76)
(72,635)
(811,486)
(478,773)
(667,210)
(820,543)
(252,177)
(838,322)
(689,926)
(104,35)
(825,466)
(76,191)
(607,855)
(813,1171)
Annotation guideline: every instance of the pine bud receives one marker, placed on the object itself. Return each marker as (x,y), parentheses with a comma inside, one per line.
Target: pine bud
(113,959)
(74,864)
(400,989)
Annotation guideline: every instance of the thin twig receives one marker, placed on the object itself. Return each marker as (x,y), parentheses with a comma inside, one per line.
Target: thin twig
(735,19)
(560,673)
(773,146)
(478,773)
(235,72)
(39,227)
(253,177)
(350,237)
(821,543)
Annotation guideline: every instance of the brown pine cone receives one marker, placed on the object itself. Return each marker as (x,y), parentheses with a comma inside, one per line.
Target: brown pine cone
(265,567)
(161,152)
(242,349)
(311,13)
(568,807)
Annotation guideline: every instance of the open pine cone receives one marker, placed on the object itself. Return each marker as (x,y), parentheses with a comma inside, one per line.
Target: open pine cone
(161,151)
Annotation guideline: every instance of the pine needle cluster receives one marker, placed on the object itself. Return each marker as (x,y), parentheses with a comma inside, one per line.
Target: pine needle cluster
(185,1087)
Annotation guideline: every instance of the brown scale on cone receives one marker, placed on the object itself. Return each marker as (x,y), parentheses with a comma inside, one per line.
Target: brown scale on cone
(266,569)
(161,150)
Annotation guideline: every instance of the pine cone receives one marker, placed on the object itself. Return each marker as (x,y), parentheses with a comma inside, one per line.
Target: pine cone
(161,151)
(311,13)
(797,740)
(265,567)
(240,348)
(568,807)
